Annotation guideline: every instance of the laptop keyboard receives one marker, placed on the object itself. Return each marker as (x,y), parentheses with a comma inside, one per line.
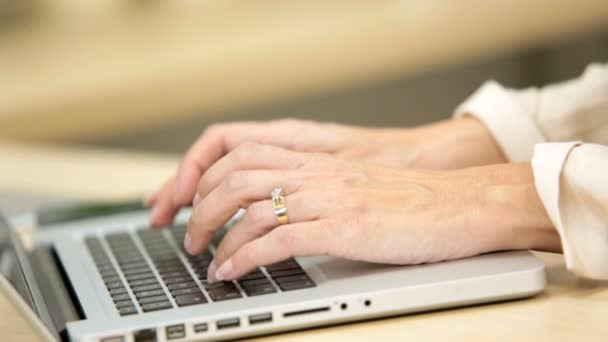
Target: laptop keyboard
(156,277)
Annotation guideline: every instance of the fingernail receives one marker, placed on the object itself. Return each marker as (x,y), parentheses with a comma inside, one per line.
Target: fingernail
(196,201)
(189,244)
(211,272)
(225,271)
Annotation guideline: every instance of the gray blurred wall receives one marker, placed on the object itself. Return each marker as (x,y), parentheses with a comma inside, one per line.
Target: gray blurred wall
(401,101)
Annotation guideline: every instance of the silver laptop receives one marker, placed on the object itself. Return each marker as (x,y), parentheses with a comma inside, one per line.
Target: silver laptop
(112,279)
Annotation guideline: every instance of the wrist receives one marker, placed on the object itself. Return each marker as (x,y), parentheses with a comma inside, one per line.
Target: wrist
(514,211)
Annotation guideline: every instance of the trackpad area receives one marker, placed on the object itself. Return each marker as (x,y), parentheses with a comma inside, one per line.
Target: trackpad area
(339,269)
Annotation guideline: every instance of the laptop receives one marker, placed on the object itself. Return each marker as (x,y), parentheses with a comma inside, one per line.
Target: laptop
(112,279)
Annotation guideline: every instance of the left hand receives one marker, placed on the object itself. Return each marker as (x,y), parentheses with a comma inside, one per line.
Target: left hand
(360,211)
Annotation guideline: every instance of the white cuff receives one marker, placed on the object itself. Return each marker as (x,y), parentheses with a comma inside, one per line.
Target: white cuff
(509,121)
(547,165)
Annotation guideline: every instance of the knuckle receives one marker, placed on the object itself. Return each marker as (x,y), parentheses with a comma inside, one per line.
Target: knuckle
(213,129)
(245,152)
(257,213)
(235,181)
(248,147)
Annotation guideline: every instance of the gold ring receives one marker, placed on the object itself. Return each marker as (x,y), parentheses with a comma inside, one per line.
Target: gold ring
(278,203)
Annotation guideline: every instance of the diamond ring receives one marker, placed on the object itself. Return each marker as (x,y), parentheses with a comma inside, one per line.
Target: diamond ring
(278,203)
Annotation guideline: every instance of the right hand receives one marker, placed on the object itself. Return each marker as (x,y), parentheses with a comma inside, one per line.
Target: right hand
(448,144)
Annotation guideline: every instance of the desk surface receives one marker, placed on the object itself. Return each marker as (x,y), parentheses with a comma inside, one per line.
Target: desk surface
(571,309)
(89,68)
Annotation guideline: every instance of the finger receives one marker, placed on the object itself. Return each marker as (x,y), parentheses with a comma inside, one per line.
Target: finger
(219,140)
(251,156)
(284,242)
(237,191)
(206,150)
(259,220)
(163,210)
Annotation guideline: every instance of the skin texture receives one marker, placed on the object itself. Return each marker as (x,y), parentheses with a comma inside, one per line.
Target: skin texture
(448,144)
(365,194)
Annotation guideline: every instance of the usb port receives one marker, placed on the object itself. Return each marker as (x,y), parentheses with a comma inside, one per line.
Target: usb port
(228,323)
(200,327)
(260,318)
(176,331)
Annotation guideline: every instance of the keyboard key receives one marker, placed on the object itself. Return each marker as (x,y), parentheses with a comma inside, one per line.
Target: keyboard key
(171,268)
(150,293)
(119,290)
(108,273)
(168,261)
(288,279)
(175,280)
(201,270)
(146,287)
(218,284)
(138,264)
(254,275)
(167,275)
(165,258)
(129,260)
(135,271)
(223,293)
(124,303)
(114,285)
(148,300)
(138,276)
(247,283)
(181,286)
(141,282)
(102,262)
(111,278)
(260,290)
(156,306)
(192,290)
(190,299)
(106,268)
(127,311)
(283,265)
(120,297)
(296,285)
(286,273)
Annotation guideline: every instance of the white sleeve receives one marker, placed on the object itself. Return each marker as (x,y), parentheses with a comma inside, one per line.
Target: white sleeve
(572,183)
(518,119)
(571,177)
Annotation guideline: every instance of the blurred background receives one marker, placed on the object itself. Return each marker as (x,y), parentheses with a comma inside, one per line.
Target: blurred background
(150,75)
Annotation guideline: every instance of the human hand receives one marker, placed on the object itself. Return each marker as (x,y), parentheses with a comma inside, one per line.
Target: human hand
(450,144)
(361,211)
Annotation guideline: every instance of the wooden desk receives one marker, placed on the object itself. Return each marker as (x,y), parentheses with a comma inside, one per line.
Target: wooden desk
(94,68)
(571,309)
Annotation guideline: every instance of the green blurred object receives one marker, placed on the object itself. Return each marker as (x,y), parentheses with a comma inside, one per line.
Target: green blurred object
(73,212)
